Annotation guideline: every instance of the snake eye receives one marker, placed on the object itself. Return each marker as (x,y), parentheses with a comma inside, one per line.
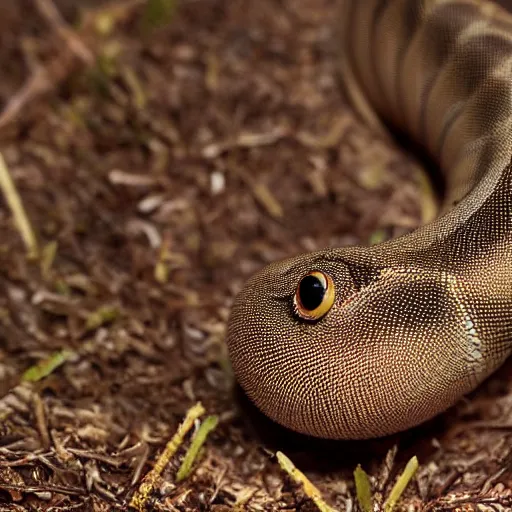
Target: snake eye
(314,295)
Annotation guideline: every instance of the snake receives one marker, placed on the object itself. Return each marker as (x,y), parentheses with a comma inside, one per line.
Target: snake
(360,341)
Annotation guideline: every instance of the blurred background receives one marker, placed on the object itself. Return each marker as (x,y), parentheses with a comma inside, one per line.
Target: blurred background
(162,151)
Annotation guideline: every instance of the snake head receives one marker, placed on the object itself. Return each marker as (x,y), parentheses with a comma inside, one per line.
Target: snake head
(333,349)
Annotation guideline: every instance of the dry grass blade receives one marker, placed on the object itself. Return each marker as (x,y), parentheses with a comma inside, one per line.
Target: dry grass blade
(141,496)
(262,194)
(298,476)
(18,211)
(401,484)
(245,140)
(206,427)
(363,489)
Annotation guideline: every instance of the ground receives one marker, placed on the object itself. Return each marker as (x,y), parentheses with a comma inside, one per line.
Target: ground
(157,176)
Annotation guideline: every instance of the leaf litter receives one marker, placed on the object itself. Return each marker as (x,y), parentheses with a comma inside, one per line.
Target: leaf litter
(159,167)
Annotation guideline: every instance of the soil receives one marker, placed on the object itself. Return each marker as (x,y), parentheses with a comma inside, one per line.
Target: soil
(158,178)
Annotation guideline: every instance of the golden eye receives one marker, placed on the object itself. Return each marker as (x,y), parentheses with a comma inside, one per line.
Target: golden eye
(314,295)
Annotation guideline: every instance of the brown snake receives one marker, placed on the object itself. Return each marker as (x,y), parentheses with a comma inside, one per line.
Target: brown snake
(359,342)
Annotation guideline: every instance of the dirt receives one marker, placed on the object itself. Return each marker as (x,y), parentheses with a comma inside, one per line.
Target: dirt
(157,178)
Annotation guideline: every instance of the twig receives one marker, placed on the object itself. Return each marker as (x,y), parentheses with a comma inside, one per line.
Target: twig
(35,86)
(52,15)
(70,491)
(45,78)
(41,421)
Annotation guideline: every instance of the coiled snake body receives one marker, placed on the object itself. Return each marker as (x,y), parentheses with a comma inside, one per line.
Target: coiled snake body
(360,342)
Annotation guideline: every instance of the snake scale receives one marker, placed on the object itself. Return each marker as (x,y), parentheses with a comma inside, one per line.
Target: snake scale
(360,342)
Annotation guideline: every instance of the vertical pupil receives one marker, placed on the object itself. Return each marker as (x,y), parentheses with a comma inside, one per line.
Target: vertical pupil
(311,292)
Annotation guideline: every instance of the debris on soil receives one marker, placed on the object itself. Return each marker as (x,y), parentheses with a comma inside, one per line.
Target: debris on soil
(160,166)
(141,497)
